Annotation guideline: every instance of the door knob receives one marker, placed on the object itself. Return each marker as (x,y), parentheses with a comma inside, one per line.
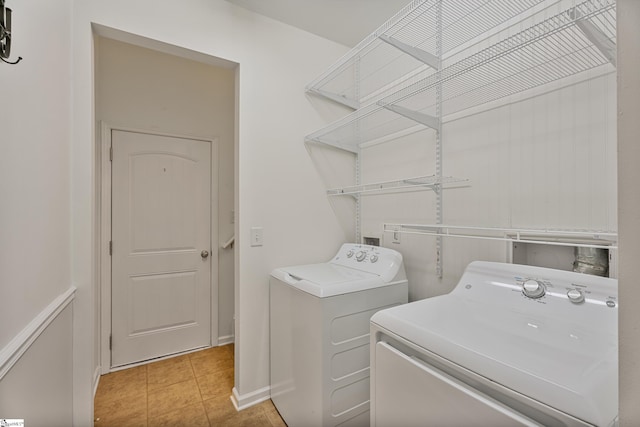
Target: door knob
(204,254)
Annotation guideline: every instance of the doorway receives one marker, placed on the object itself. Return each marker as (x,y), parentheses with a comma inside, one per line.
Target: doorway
(148,91)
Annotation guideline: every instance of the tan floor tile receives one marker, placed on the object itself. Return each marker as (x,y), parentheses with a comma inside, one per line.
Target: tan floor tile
(170,371)
(111,412)
(189,390)
(138,421)
(219,384)
(272,414)
(210,362)
(190,416)
(213,351)
(219,409)
(122,384)
(242,419)
(231,349)
(173,397)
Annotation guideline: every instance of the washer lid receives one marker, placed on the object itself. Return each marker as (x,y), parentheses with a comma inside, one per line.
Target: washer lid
(325,279)
(568,365)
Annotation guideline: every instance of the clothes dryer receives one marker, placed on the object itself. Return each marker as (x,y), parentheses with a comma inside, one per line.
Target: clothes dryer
(510,345)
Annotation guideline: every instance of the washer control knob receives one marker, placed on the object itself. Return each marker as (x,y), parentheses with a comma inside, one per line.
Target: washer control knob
(350,253)
(533,289)
(575,296)
(360,256)
(373,258)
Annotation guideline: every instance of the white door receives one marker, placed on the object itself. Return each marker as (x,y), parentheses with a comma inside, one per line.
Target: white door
(161,219)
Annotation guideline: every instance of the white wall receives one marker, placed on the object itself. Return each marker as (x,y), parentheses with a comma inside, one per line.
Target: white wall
(278,187)
(145,89)
(35,244)
(629,206)
(543,160)
(34,166)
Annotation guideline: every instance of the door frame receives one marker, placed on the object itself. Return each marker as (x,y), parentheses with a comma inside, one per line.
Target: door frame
(103,188)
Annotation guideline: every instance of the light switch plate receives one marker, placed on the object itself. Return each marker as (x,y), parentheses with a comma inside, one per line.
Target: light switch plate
(256,236)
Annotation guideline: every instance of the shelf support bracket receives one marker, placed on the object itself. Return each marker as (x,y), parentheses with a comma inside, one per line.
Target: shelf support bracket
(337,98)
(353,150)
(425,119)
(595,36)
(419,54)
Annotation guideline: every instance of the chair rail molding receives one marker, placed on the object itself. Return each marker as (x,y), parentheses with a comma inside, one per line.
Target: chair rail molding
(19,345)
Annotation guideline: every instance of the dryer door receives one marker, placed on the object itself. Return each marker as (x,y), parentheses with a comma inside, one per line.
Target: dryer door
(408,392)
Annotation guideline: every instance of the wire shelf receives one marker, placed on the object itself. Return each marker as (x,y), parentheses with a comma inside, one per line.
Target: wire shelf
(580,238)
(567,44)
(374,62)
(430,182)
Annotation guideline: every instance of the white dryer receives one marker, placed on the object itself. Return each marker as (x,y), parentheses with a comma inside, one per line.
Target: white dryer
(319,324)
(510,345)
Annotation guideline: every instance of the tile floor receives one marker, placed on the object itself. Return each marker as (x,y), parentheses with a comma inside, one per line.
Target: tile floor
(190,390)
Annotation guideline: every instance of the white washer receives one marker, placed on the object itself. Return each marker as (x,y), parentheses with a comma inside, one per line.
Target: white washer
(319,327)
(510,345)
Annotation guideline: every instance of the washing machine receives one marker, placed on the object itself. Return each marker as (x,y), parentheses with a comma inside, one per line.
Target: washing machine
(319,333)
(511,345)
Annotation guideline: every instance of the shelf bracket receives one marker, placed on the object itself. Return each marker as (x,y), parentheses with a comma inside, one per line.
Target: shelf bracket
(595,36)
(419,54)
(353,150)
(425,119)
(337,98)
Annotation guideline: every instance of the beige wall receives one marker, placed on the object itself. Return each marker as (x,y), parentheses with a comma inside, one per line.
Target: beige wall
(149,90)
(629,207)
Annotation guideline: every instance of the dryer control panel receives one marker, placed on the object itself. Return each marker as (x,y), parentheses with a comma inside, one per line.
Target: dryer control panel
(540,291)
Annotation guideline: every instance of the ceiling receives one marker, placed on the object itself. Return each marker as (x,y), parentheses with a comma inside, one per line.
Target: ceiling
(343,21)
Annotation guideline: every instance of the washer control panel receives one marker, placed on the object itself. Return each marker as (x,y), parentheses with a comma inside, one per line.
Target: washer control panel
(373,259)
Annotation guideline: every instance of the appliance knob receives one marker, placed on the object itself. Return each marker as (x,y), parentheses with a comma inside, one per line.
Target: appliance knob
(350,253)
(373,258)
(575,296)
(360,256)
(533,289)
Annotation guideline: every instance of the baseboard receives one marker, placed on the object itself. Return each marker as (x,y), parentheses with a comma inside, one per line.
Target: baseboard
(250,399)
(96,379)
(227,339)
(13,351)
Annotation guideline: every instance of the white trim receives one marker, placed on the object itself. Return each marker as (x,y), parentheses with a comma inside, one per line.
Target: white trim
(105,235)
(226,340)
(96,379)
(103,245)
(13,351)
(250,399)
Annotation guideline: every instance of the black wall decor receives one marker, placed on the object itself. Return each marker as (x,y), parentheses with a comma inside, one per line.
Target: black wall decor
(5,34)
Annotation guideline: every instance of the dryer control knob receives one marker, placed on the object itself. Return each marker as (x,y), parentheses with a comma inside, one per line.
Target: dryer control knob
(360,256)
(575,296)
(373,258)
(350,253)
(533,289)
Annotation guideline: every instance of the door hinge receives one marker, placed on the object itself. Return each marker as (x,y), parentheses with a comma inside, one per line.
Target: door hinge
(110,247)
(110,341)
(111,153)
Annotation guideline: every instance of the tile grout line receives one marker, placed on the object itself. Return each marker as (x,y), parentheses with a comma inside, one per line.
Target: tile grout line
(195,377)
(146,377)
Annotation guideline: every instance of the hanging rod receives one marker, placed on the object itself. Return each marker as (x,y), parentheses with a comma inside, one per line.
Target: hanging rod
(430,182)
(585,238)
